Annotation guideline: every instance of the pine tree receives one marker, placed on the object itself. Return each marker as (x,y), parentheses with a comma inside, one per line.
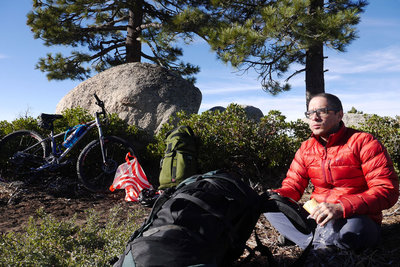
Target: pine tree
(109,33)
(271,36)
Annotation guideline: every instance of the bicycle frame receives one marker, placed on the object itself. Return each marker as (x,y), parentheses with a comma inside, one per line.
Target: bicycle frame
(26,155)
(55,158)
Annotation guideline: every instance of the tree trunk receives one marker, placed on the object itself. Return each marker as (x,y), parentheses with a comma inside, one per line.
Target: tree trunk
(315,83)
(133,44)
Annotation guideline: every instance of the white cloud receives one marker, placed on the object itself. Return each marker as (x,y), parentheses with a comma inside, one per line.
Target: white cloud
(329,77)
(2,56)
(340,66)
(378,61)
(215,88)
(376,102)
(384,23)
(227,83)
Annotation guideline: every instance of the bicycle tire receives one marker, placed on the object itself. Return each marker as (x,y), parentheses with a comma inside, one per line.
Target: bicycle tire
(96,176)
(17,162)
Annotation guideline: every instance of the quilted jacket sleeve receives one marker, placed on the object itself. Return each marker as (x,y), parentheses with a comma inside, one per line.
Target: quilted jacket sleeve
(382,180)
(296,180)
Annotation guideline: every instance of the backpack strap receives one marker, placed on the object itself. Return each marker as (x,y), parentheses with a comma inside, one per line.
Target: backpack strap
(174,166)
(156,208)
(273,202)
(203,205)
(264,250)
(232,181)
(212,179)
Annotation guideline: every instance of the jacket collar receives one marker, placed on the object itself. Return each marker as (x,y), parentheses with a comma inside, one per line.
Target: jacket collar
(335,137)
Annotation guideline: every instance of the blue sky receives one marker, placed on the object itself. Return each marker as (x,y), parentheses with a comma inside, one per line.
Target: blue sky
(367,76)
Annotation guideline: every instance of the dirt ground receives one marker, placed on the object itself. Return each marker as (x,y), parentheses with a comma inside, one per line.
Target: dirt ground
(18,202)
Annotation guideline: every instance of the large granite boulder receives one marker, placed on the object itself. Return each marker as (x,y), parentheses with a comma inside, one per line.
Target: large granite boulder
(142,94)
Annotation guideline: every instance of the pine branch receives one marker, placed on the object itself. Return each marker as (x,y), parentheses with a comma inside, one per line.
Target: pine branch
(294,74)
(121,28)
(106,50)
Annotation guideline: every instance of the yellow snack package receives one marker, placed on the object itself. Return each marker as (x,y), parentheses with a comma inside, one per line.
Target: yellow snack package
(310,205)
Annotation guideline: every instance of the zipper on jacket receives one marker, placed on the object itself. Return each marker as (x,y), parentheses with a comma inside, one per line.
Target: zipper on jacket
(323,169)
(329,179)
(327,168)
(323,163)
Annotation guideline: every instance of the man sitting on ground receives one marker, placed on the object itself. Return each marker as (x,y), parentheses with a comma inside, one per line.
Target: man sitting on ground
(353,179)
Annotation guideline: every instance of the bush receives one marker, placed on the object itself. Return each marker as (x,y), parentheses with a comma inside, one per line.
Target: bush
(387,130)
(49,242)
(18,124)
(261,151)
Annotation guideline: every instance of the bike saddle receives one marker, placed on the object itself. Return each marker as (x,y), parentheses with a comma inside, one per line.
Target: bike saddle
(46,120)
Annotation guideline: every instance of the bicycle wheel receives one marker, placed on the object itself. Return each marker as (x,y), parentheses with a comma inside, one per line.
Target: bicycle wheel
(21,152)
(92,172)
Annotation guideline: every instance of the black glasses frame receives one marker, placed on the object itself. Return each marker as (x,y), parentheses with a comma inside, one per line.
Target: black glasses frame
(319,111)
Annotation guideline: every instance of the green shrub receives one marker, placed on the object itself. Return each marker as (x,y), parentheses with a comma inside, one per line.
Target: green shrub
(387,130)
(3,126)
(29,123)
(261,151)
(72,117)
(49,242)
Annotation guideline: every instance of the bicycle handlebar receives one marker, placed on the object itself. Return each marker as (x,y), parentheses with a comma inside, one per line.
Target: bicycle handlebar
(100,103)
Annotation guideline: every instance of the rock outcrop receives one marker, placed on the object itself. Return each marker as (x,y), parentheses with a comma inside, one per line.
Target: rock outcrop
(252,112)
(142,94)
(352,119)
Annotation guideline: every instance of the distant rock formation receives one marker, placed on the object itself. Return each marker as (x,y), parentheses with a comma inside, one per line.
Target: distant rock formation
(142,94)
(353,119)
(252,112)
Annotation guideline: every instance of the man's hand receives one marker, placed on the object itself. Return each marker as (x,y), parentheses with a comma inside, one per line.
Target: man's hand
(325,212)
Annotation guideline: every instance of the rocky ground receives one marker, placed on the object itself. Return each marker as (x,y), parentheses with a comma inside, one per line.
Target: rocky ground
(18,202)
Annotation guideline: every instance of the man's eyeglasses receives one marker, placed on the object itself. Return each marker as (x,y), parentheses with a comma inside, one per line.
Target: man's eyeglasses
(320,112)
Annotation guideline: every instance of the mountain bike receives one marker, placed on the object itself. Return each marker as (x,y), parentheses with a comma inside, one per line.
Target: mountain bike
(25,153)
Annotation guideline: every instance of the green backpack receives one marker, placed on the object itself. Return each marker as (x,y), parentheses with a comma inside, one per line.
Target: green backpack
(180,157)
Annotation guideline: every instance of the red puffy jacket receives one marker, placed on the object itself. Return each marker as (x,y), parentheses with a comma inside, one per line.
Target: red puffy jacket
(353,169)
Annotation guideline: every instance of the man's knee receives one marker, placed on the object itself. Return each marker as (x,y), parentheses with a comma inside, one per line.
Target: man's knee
(358,233)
